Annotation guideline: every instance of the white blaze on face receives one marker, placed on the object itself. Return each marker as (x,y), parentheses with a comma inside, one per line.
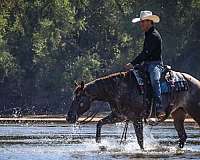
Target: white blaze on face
(73,97)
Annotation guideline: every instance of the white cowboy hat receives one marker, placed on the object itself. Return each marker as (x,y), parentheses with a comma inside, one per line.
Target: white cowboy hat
(146,15)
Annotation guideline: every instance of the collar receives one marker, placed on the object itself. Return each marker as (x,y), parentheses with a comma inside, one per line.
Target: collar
(149,31)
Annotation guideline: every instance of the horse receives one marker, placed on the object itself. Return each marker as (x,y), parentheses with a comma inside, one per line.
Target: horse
(120,90)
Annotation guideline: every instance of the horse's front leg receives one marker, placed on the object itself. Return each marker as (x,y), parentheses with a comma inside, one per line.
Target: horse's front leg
(179,117)
(110,119)
(138,126)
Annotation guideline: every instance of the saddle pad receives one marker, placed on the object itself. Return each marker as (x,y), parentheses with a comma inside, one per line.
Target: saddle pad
(168,87)
(177,83)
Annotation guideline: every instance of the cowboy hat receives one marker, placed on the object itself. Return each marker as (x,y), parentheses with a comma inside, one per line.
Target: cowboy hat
(146,15)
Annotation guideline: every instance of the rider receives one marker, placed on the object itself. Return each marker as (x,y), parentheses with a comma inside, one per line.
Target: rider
(151,56)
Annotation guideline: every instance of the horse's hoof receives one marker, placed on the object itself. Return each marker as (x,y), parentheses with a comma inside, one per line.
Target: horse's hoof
(141,146)
(98,140)
(181,144)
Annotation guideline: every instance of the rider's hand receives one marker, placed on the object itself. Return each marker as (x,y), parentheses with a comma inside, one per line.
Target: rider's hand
(128,66)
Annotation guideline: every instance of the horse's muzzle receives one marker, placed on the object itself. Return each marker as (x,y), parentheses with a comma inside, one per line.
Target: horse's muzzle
(71,117)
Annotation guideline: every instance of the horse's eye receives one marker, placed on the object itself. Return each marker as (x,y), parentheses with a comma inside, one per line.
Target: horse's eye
(81,104)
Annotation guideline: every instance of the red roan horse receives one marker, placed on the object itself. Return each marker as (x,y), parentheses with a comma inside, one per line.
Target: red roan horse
(121,91)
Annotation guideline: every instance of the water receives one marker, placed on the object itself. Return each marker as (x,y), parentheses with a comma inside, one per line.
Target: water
(62,142)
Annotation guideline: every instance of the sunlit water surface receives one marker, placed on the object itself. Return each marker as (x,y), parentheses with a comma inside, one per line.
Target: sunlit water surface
(62,142)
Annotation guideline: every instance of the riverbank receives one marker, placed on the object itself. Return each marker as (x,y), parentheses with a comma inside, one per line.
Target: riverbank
(61,119)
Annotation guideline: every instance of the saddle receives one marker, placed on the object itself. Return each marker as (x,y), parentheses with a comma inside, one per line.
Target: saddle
(170,82)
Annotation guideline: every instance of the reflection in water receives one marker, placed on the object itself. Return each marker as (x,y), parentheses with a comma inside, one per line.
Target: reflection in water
(63,142)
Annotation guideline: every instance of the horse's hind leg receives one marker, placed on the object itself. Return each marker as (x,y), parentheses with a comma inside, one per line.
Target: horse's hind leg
(110,119)
(193,109)
(179,117)
(138,126)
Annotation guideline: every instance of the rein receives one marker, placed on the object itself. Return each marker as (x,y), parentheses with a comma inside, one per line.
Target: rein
(90,117)
(123,137)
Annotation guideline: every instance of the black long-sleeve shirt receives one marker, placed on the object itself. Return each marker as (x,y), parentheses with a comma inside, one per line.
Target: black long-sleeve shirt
(151,49)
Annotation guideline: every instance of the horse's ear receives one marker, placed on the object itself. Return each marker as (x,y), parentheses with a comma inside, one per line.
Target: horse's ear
(82,84)
(76,84)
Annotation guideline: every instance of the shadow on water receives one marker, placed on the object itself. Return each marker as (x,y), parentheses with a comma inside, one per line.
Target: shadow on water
(74,142)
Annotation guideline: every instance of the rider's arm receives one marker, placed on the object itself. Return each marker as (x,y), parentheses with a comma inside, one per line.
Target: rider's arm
(140,58)
(151,50)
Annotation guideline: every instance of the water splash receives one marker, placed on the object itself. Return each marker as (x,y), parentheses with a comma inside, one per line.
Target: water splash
(78,142)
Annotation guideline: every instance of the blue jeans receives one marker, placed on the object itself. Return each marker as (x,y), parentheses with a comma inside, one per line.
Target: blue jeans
(155,69)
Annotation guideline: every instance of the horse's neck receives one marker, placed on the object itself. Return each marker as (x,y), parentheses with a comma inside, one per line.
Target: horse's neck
(104,89)
(101,89)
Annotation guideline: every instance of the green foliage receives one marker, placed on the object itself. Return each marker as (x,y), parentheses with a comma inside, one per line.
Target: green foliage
(8,67)
(196,4)
(84,68)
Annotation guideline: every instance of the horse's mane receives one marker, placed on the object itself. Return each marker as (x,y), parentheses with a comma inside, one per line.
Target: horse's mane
(111,76)
(117,74)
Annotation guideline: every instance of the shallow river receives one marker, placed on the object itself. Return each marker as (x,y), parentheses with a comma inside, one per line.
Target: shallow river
(62,142)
